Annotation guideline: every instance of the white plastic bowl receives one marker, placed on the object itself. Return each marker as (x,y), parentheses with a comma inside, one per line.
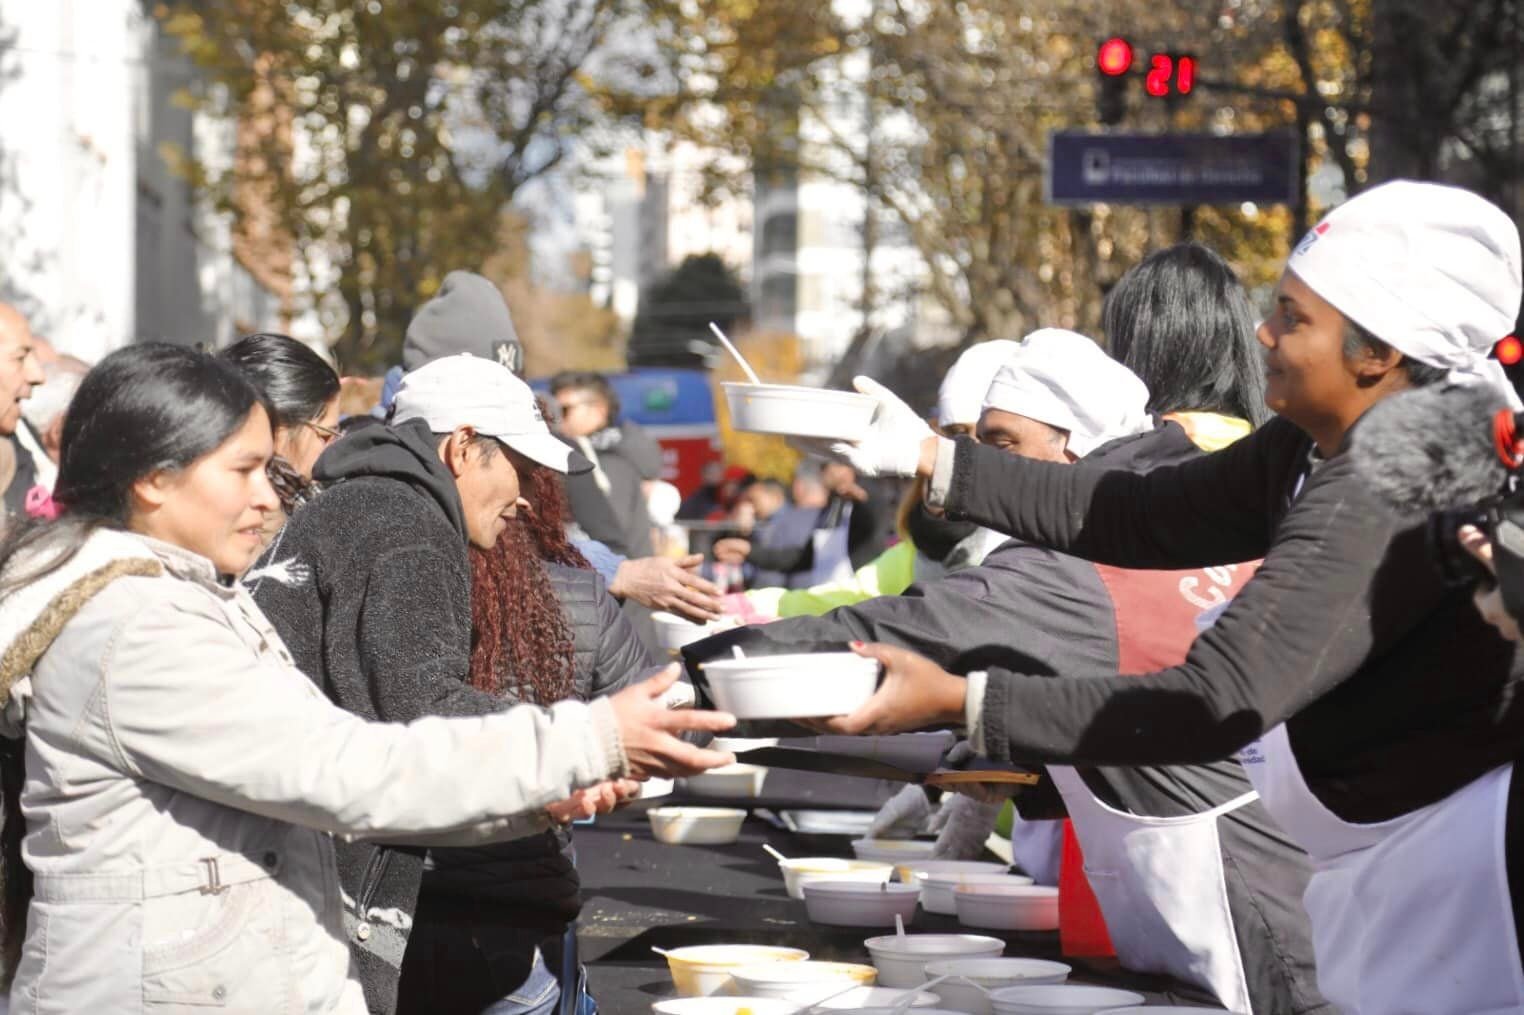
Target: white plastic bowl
(902,961)
(798,412)
(800,871)
(1008,907)
(802,982)
(731,782)
(990,974)
(653,788)
(895,1011)
(895,851)
(914,873)
(1166,1009)
(725,1006)
(937,887)
(866,998)
(696,826)
(853,904)
(704,970)
(795,686)
(1061,999)
(675,633)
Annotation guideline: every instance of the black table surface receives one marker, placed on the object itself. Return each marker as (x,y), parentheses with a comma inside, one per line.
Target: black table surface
(641,893)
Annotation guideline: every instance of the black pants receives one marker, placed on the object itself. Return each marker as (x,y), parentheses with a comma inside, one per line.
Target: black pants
(462,957)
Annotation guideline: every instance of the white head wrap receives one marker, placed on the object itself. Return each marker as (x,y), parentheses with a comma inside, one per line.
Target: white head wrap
(1063,379)
(961,397)
(1432,271)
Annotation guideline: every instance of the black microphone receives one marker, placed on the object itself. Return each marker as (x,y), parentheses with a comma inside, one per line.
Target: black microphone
(1436,448)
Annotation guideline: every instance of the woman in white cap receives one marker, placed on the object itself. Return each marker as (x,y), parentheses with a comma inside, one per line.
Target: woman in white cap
(1377,715)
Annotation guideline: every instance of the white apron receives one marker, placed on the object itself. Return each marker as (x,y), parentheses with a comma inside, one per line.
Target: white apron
(1410,915)
(1160,885)
(833,562)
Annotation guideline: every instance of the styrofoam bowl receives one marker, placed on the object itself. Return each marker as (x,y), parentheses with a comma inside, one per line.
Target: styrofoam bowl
(1007,907)
(794,411)
(802,870)
(895,851)
(705,970)
(653,788)
(937,887)
(913,873)
(1166,1009)
(731,782)
(990,974)
(902,961)
(895,1011)
(865,998)
(853,904)
(795,686)
(802,982)
(724,1006)
(1061,999)
(675,633)
(696,826)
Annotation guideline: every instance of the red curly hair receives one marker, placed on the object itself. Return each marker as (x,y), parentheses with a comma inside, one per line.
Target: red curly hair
(519,633)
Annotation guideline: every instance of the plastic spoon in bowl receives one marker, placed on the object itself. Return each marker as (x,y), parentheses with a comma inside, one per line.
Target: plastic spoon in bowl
(735,353)
(768,849)
(899,926)
(661,951)
(736,651)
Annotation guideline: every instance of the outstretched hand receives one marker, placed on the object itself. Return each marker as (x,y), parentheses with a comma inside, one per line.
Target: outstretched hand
(649,730)
(600,799)
(914,693)
(662,583)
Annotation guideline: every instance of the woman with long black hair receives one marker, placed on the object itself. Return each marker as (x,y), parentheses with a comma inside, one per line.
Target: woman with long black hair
(175,781)
(1377,715)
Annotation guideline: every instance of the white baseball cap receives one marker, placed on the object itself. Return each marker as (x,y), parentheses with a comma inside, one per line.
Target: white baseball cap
(465,390)
(1063,379)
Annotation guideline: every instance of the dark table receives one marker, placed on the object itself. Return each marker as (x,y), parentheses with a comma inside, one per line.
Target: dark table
(641,893)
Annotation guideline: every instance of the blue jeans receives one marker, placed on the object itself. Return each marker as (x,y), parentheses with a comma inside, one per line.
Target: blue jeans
(540,994)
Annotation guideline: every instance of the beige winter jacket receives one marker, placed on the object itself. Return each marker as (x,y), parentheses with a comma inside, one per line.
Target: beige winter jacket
(183,776)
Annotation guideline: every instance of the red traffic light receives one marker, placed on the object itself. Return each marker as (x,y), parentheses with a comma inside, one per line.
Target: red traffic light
(1509,350)
(1114,58)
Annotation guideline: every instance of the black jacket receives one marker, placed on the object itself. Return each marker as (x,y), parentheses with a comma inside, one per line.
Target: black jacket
(1030,609)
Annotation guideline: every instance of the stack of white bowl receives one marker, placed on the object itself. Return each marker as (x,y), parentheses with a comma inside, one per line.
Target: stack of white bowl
(969,982)
(902,958)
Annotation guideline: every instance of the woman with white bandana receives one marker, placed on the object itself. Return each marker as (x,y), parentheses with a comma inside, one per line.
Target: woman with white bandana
(1376,713)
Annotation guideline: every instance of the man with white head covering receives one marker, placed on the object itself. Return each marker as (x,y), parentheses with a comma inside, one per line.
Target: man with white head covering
(1378,716)
(960,399)
(1220,909)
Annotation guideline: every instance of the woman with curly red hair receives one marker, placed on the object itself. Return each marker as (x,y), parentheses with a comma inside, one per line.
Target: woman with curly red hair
(491,923)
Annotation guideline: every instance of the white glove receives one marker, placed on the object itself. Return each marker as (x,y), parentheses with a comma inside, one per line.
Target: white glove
(902,816)
(892,446)
(969,824)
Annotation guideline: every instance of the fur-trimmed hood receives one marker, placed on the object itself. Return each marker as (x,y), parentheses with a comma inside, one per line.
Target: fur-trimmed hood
(32,616)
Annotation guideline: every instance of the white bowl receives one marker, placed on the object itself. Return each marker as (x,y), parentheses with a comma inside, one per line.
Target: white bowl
(652,788)
(675,633)
(1008,907)
(990,974)
(802,982)
(725,1006)
(937,887)
(865,998)
(792,686)
(902,961)
(914,873)
(703,970)
(894,1011)
(853,904)
(696,826)
(730,782)
(896,851)
(798,412)
(800,871)
(1061,999)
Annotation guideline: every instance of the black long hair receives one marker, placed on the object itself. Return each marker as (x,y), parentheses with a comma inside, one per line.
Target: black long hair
(142,409)
(1182,322)
(298,384)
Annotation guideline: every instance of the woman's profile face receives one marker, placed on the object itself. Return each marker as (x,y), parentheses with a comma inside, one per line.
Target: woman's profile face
(1307,379)
(215,506)
(301,445)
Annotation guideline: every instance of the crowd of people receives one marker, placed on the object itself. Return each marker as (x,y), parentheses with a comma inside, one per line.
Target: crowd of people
(297,706)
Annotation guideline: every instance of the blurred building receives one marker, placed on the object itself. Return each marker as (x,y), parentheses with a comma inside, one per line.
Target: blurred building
(103,244)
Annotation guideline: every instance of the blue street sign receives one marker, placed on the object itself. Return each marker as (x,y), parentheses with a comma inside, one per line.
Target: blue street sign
(1086,168)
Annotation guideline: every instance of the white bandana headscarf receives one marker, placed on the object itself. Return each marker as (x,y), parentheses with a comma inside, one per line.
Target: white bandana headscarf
(961,397)
(1433,271)
(1063,379)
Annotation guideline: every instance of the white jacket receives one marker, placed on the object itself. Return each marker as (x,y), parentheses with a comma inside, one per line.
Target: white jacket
(182,777)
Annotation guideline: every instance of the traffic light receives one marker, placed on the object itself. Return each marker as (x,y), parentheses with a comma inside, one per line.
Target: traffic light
(1113,59)
(1509,350)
